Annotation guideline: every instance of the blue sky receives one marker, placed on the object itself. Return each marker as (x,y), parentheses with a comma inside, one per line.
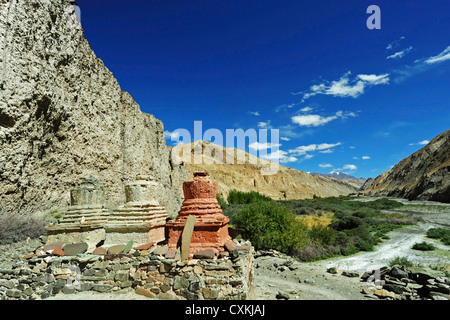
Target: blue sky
(343,97)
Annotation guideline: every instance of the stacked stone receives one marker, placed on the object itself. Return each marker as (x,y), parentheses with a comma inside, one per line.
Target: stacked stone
(401,283)
(210,226)
(40,276)
(142,219)
(84,220)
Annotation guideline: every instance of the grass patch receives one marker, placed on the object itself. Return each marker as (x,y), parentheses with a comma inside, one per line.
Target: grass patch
(423,246)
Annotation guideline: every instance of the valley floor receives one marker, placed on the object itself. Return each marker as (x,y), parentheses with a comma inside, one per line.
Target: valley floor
(279,276)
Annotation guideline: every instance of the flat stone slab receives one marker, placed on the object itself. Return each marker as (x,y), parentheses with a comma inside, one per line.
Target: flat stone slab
(50,247)
(116,249)
(128,246)
(186,237)
(205,254)
(73,249)
(99,251)
(161,250)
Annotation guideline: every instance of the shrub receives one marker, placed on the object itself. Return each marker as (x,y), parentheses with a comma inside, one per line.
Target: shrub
(440,233)
(401,261)
(423,246)
(239,197)
(349,250)
(269,225)
(323,235)
(14,228)
(346,222)
(222,203)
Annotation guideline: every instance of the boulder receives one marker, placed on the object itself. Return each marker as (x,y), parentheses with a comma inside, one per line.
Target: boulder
(383,293)
(73,249)
(205,254)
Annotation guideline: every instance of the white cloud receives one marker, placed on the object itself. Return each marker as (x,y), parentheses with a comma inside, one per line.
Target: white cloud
(288,159)
(399,54)
(292,154)
(327,151)
(373,79)
(420,143)
(285,139)
(168,135)
(263,146)
(443,56)
(420,66)
(264,124)
(315,120)
(279,156)
(255,113)
(348,168)
(303,150)
(284,107)
(365,157)
(306,109)
(394,43)
(346,87)
(325,165)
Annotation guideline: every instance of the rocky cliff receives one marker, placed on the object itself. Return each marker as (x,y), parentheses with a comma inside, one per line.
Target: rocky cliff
(425,175)
(287,183)
(63,116)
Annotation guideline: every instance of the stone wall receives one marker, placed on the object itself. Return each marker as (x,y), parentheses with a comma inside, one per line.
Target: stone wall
(151,275)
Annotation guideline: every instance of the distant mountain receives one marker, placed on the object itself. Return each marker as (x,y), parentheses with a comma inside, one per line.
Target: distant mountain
(425,175)
(354,181)
(287,183)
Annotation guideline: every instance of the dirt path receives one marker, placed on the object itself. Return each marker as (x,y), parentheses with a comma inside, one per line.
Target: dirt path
(308,281)
(399,245)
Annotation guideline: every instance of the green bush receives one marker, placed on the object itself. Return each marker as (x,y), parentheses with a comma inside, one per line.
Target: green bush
(269,225)
(349,250)
(441,234)
(423,246)
(346,222)
(222,203)
(239,197)
(322,235)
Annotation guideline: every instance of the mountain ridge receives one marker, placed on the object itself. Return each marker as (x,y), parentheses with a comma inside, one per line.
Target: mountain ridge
(286,184)
(424,175)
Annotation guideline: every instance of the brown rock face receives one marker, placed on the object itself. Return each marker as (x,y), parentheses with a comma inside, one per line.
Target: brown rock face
(425,175)
(63,116)
(211,226)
